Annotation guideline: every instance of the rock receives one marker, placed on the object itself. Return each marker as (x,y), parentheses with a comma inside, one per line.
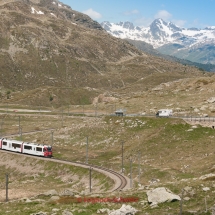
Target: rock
(212,210)
(161,195)
(207,177)
(103,211)
(205,189)
(38,200)
(54,198)
(55,209)
(154,205)
(39,213)
(154,180)
(187,189)
(196,110)
(144,203)
(186,198)
(51,193)
(67,192)
(124,210)
(211,100)
(25,199)
(66,212)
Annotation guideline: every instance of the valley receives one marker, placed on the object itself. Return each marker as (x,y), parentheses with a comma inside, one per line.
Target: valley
(62,79)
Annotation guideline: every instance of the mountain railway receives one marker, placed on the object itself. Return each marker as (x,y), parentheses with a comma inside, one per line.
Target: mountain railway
(120,181)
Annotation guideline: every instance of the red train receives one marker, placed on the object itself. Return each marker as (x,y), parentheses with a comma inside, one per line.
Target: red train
(26,148)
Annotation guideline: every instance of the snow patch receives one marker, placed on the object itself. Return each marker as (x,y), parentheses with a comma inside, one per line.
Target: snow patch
(35,11)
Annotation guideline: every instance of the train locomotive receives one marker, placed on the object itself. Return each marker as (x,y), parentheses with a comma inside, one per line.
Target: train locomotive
(26,148)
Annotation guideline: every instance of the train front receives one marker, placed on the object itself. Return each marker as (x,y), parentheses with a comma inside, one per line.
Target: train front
(48,151)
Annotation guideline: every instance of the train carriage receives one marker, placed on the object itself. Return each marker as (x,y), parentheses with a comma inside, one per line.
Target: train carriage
(26,148)
(11,145)
(37,149)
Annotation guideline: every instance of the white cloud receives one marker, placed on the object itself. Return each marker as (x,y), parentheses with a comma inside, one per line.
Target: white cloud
(131,12)
(163,14)
(93,14)
(143,22)
(179,23)
(166,16)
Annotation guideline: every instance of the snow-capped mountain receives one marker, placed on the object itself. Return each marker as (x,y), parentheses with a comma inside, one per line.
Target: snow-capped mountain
(161,34)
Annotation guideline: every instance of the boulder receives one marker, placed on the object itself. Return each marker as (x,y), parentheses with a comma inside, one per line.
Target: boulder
(211,100)
(124,210)
(51,193)
(209,176)
(161,195)
(67,192)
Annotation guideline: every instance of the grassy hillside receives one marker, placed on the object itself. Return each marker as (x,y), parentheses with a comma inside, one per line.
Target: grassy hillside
(170,152)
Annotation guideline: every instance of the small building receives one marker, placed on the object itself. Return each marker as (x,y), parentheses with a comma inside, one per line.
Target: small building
(164,113)
(119,112)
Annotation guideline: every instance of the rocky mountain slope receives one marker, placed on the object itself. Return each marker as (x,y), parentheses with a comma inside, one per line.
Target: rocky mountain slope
(193,44)
(51,55)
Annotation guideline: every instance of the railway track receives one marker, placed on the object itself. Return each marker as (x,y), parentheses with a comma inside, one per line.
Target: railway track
(120,181)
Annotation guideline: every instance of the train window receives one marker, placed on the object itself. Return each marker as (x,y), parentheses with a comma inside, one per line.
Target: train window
(49,149)
(15,145)
(4,143)
(38,149)
(28,147)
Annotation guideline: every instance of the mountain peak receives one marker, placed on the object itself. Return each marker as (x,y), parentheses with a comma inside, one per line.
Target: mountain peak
(161,33)
(127,25)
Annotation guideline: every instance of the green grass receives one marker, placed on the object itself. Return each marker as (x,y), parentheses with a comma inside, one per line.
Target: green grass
(170,150)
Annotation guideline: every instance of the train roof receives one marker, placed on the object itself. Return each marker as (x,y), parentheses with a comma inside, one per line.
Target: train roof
(24,143)
(36,144)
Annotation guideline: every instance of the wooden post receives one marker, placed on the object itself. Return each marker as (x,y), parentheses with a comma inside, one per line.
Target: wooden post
(6,187)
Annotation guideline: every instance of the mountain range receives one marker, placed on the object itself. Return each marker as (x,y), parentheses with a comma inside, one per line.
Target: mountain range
(197,45)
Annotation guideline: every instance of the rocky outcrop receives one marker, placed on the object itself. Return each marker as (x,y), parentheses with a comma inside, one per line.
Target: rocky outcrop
(161,195)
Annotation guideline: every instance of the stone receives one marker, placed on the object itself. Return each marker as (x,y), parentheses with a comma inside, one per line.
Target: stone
(161,195)
(51,193)
(67,192)
(66,212)
(103,211)
(124,210)
(54,198)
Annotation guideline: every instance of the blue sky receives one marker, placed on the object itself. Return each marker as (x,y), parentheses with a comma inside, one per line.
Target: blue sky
(184,13)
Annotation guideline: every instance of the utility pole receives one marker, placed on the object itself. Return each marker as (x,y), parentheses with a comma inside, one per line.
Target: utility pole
(6,187)
(52,140)
(96,110)
(206,207)
(1,129)
(87,151)
(21,133)
(181,202)
(19,124)
(139,166)
(90,182)
(130,172)
(62,117)
(83,109)
(122,157)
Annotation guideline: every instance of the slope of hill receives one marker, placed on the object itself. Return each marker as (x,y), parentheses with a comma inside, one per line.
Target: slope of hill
(49,52)
(147,48)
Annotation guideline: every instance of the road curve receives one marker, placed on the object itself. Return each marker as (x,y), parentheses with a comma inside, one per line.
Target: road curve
(120,181)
